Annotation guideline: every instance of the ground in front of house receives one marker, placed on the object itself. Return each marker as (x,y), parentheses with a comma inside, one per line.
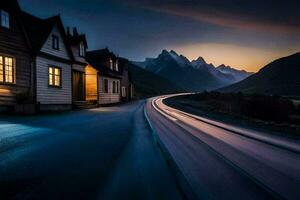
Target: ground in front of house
(103,153)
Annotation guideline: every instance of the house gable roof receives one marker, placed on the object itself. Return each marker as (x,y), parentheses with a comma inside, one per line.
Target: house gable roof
(98,59)
(76,39)
(39,30)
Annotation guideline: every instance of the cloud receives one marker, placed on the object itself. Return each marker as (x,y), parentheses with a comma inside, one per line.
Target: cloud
(259,15)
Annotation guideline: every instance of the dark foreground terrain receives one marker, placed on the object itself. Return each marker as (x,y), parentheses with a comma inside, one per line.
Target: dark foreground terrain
(104,153)
(256,111)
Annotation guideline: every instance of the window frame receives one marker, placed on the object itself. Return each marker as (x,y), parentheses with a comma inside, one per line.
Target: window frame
(111,64)
(114,87)
(118,87)
(13,71)
(105,85)
(53,77)
(81,49)
(6,19)
(123,92)
(117,65)
(55,42)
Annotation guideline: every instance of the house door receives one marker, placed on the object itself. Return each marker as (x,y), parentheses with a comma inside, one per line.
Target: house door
(78,86)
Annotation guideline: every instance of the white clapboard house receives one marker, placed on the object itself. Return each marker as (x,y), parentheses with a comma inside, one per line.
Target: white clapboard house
(52,60)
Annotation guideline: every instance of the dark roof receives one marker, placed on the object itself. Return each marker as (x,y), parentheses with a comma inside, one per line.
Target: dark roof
(76,39)
(99,58)
(39,30)
(103,54)
(10,4)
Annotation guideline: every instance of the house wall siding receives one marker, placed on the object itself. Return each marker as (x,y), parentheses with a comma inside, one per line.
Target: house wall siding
(52,95)
(75,50)
(47,47)
(78,67)
(13,43)
(110,97)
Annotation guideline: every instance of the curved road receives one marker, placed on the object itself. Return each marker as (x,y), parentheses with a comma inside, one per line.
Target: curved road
(219,161)
(109,153)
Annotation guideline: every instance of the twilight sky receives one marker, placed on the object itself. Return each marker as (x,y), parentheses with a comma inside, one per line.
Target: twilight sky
(245,34)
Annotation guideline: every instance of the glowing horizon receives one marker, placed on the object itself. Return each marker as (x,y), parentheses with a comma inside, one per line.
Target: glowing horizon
(243,58)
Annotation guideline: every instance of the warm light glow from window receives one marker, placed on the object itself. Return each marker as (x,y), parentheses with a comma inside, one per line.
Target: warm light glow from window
(54,76)
(1,69)
(91,83)
(7,69)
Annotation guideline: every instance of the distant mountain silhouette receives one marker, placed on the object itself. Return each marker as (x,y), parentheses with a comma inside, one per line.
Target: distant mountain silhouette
(281,77)
(192,76)
(148,84)
(238,75)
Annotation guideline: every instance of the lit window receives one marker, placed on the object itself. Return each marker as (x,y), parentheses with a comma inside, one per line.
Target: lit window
(55,42)
(1,69)
(54,76)
(4,19)
(7,69)
(81,49)
(111,64)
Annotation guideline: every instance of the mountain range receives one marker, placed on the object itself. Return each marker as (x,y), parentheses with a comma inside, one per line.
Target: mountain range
(192,76)
(280,77)
(148,84)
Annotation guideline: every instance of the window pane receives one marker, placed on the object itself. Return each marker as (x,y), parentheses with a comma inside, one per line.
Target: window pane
(106,85)
(1,69)
(8,61)
(57,71)
(57,80)
(50,75)
(81,49)
(50,79)
(54,76)
(55,42)
(9,76)
(4,19)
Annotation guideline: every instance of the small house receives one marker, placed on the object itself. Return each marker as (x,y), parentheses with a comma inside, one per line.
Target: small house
(52,62)
(103,77)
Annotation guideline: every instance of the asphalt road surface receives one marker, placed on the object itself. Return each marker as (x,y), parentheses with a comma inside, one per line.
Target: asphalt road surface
(219,161)
(104,153)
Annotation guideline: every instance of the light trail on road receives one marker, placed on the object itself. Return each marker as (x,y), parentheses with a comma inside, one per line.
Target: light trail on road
(221,161)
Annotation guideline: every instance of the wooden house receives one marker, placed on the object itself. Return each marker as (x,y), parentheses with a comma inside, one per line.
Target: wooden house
(45,68)
(78,46)
(126,85)
(103,77)
(16,66)
(52,61)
